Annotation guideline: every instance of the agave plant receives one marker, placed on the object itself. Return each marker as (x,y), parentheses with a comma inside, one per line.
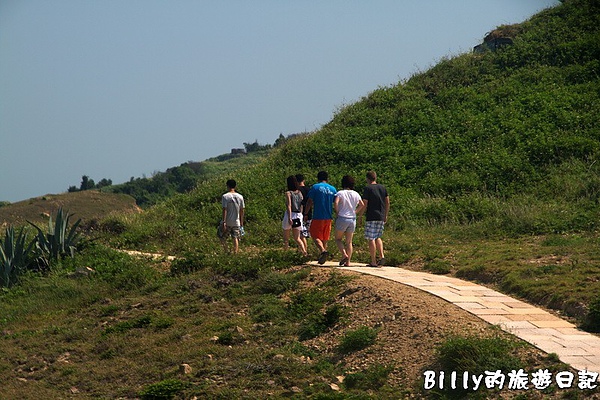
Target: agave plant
(60,240)
(15,255)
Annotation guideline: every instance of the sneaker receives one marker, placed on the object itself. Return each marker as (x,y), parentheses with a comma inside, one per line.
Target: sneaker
(323,257)
(344,262)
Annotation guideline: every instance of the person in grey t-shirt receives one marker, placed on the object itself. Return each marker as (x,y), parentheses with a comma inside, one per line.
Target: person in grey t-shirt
(232,221)
(377,206)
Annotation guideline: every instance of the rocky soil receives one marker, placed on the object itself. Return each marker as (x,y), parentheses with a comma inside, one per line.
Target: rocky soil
(412,324)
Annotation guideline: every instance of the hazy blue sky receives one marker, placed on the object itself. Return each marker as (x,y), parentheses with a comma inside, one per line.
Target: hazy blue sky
(121,88)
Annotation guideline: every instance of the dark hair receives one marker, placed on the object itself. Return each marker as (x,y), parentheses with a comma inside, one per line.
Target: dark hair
(348,182)
(231,184)
(371,176)
(292,183)
(300,178)
(322,176)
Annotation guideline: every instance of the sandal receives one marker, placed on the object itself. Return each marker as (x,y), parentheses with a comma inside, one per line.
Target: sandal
(381,262)
(344,262)
(373,265)
(323,257)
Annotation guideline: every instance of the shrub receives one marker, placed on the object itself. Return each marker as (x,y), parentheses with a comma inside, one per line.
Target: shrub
(372,378)
(592,319)
(315,324)
(15,255)
(474,355)
(358,339)
(437,266)
(189,263)
(166,389)
(268,309)
(60,240)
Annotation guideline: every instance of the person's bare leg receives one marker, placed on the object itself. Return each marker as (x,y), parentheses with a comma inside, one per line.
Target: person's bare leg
(320,245)
(379,243)
(349,246)
(286,239)
(236,245)
(373,252)
(340,243)
(298,240)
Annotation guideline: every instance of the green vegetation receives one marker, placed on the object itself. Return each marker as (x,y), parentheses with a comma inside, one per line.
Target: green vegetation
(358,339)
(91,206)
(166,389)
(182,179)
(15,256)
(18,256)
(484,156)
(491,162)
(59,240)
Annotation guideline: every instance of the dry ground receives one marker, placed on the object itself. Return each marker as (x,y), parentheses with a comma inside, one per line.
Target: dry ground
(412,325)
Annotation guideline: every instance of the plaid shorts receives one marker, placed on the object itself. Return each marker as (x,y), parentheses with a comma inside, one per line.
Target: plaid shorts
(373,229)
(233,231)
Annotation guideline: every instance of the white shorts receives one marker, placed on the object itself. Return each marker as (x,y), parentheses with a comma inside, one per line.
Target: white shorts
(285,224)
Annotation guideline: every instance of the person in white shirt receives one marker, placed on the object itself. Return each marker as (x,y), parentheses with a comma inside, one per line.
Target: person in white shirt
(347,203)
(232,221)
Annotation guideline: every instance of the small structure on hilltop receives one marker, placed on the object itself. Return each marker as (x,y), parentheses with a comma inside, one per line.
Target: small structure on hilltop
(500,37)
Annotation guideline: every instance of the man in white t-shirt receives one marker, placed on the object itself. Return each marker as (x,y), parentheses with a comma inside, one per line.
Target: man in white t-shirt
(232,222)
(346,203)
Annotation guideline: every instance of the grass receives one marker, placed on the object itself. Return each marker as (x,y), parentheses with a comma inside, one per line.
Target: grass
(90,205)
(491,165)
(101,329)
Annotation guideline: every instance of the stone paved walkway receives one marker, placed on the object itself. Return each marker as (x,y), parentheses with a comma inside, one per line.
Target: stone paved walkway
(547,332)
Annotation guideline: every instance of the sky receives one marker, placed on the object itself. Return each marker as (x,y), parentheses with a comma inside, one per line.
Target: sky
(125,88)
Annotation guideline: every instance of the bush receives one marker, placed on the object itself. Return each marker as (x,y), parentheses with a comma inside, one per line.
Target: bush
(59,241)
(268,309)
(358,339)
(166,389)
(372,378)
(592,319)
(474,355)
(15,256)
(316,324)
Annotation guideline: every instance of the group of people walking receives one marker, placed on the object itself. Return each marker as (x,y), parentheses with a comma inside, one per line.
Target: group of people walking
(317,209)
(309,214)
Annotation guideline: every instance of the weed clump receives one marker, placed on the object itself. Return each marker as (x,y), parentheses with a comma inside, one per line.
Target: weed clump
(358,339)
(592,319)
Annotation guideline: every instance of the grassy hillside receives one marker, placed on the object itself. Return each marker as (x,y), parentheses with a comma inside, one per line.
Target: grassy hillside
(508,140)
(181,179)
(491,164)
(472,138)
(90,205)
(481,147)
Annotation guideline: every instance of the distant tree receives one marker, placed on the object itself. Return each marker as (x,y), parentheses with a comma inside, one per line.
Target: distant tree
(73,189)
(87,183)
(103,183)
(250,147)
(280,140)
